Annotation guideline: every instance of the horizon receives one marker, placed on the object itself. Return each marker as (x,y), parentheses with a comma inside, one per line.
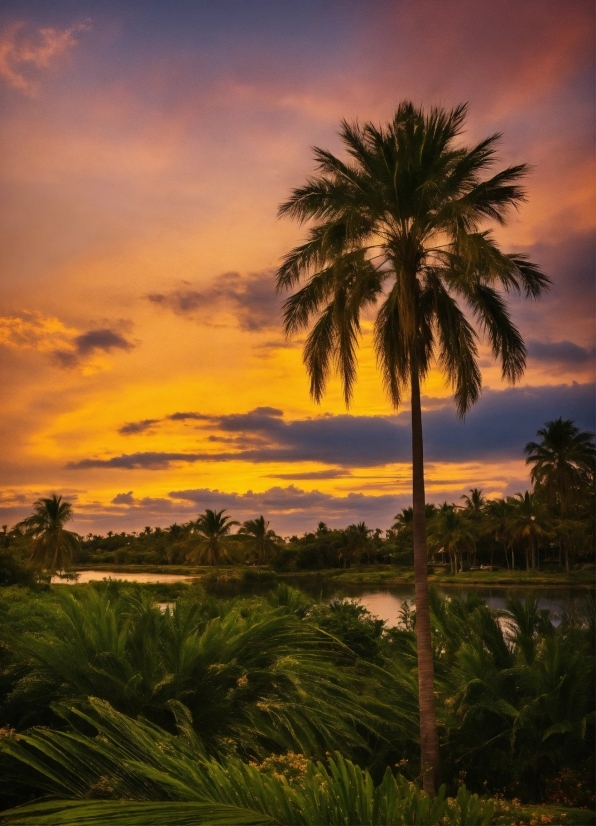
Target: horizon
(146,150)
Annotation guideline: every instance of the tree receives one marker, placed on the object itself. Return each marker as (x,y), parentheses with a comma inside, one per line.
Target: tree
(398,226)
(562,465)
(474,509)
(453,533)
(263,538)
(528,523)
(213,527)
(53,546)
(498,517)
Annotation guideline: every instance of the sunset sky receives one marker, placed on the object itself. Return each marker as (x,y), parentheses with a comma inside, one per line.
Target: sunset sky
(145,148)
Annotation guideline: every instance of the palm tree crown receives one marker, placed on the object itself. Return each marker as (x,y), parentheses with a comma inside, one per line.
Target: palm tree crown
(213,527)
(563,461)
(398,226)
(53,546)
(262,536)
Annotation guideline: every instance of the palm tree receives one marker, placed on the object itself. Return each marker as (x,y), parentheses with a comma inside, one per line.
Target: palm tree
(474,508)
(263,538)
(360,538)
(453,533)
(213,527)
(399,225)
(563,464)
(53,546)
(498,516)
(528,523)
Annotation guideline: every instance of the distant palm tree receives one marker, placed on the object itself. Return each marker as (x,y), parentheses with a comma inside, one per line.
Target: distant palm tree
(263,538)
(528,523)
(360,539)
(498,517)
(213,527)
(398,226)
(53,546)
(474,507)
(452,532)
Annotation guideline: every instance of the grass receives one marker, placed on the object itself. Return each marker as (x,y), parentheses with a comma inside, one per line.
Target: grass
(364,575)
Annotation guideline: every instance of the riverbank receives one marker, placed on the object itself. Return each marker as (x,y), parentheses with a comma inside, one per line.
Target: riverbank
(372,575)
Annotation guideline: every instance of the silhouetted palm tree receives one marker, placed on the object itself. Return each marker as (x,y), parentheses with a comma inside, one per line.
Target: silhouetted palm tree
(263,537)
(563,465)
(453,533)
(399,225)
(53,546)
(528,523)
(213,527)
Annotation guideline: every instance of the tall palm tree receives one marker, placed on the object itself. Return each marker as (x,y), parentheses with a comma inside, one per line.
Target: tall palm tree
(213,527)
(562,464)
(398,225)
(563,461)
(528,523)
(53,546)
(263,537)
(453,533)
(498,517)
(474,508)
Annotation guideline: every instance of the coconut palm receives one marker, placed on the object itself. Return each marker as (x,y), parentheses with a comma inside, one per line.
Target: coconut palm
(213,527)
(528,523)
(399,226)
(453,533)
(563,461)
(497,524)
(562,465)
(53,546)
(263,538)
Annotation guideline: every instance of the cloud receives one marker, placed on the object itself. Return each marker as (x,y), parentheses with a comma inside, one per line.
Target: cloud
(105,340)
(20,52)
(150,460)
(497,428)
(560,352)
(137,427)
(123,499)
(334,473)
(250,301)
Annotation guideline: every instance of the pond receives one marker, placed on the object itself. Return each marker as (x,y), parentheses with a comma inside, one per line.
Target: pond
(385,602)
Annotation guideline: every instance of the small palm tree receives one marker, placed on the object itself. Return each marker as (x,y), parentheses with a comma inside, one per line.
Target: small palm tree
(53,546)
(399,226)
(213,527)
(263,538)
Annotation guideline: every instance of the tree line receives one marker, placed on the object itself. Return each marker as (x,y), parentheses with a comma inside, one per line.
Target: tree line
(550,526)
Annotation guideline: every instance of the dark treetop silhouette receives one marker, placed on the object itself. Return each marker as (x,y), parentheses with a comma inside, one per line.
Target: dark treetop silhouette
(397,227)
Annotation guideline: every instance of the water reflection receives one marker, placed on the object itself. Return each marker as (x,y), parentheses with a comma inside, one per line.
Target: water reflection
(385,603)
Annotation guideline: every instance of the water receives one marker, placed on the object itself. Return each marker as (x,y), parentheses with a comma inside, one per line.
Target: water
(384,602)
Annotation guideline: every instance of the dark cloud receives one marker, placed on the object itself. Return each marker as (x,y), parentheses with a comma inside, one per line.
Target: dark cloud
(251,300)
(497,428)
(335,473)
(150,460)
(131,428)
(123,498)
(105,340)
(182,417)
(66,359)
(560,352)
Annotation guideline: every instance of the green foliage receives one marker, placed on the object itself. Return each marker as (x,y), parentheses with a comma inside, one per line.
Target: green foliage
(136,773)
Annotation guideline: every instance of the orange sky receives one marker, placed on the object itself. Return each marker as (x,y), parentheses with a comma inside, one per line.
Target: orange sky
(145,149)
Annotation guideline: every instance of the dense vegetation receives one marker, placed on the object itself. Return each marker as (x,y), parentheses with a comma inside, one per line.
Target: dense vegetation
(259,688)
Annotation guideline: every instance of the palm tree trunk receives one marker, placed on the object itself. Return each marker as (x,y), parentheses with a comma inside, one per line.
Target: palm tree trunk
(429,739)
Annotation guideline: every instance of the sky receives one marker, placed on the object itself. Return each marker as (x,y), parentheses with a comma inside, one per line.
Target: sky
(145,148)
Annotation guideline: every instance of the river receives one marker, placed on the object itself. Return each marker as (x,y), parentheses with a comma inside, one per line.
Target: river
(385,602)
